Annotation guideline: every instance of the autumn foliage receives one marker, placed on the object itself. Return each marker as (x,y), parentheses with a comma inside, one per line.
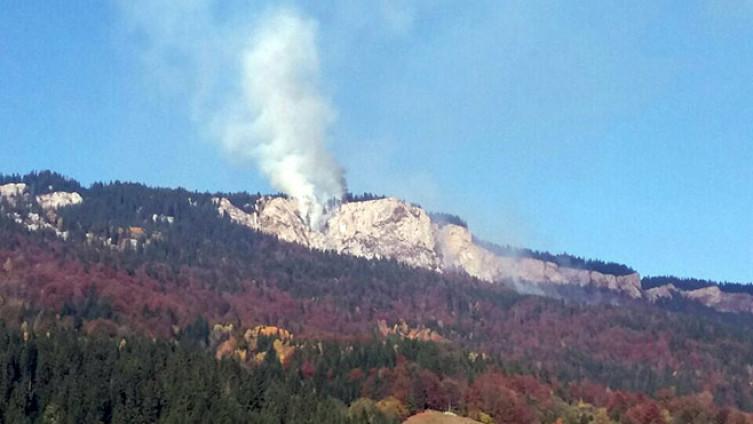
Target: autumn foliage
(496,354)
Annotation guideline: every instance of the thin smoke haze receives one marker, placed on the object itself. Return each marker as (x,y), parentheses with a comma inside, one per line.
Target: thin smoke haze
(271,112)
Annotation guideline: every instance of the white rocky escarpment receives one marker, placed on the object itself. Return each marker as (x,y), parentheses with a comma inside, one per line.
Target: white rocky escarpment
(384,228)
(711,296)
(236,214)
(666,291)
(49,201)
(458,251)
(58,199)
(714,297)
(391,228)
(12,191)
(47,219)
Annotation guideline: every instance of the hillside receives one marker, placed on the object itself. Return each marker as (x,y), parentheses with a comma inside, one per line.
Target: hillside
(394,229)
(433,417)
(123,261)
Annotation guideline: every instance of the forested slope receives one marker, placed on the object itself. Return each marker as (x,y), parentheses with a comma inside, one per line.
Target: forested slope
(197,284)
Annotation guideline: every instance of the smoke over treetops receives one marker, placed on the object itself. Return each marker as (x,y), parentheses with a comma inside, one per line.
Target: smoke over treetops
(272,113)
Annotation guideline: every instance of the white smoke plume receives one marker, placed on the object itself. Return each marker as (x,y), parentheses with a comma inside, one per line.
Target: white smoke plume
(271,111)
(284,118)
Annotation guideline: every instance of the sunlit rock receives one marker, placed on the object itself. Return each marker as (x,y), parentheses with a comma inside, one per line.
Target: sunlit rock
(394,229)
(58,199)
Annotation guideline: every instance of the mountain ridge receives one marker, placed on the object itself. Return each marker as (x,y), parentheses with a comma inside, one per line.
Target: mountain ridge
(379,227)
(392,228)
(159,263)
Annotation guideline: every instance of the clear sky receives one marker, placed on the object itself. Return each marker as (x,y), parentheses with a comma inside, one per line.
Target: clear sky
(619,130)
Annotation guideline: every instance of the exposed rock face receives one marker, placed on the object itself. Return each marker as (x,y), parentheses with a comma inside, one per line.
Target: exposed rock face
(12,191)
(666,291)
(391,228)
(711,296)
(714,297)
(46,219)
(58,200)
(457,250)
(279,216)
(385,228)
(237,215)
(50,201)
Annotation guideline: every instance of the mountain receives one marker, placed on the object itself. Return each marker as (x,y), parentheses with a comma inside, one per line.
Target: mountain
(394,229)
(228,302)
(391,228)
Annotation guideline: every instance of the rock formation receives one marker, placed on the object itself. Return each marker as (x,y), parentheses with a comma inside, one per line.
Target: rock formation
(666,291)
(58,199)
(44,219)
(711,296)
(374,229)
(10,192)
(391,228)
(458,251)
(385,228)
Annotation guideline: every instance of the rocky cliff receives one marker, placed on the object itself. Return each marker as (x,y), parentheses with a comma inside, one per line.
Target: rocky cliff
(44,217)
(375,229)
(11,192)
(458,251)
(391,228)
(383,228)
(711,296)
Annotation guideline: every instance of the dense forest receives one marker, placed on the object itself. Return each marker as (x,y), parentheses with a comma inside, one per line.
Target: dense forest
(694,284)
(64,377)
(153,286)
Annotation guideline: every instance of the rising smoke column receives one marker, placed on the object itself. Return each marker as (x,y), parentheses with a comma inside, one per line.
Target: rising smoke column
(283,118)
(252,86)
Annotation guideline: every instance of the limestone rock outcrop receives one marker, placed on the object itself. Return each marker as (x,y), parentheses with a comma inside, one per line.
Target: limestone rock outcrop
(666,291)
(384,228)
(50,201)
(712,296)
(391,228)
(11,192)
(44,219)
(58,199)
(458,251)
(715,298)
(709,296)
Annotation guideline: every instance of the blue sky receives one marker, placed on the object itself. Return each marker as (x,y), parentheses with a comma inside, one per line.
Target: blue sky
(609,129)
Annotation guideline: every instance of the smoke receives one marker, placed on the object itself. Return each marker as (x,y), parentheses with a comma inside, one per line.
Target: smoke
(254,86)
(285,118)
